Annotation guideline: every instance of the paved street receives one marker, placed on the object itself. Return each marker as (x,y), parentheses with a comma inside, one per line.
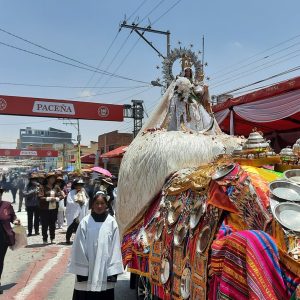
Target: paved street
(39,272)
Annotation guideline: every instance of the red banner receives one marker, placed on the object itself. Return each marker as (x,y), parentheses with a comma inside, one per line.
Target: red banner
(31,153)
(41,107)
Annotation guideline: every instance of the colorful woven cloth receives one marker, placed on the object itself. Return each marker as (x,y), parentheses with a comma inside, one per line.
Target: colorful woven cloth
(245,265)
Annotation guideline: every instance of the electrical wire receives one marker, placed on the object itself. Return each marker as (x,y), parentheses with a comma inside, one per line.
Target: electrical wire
(136,94)
(152,10)
(114,58)
(166,12)
(254,62)
(107,93)
(123,60)
(70,64)
(136,10)
(252,71)
(67,86)
(257,54)
(103,58)
(21,123)
(265,79)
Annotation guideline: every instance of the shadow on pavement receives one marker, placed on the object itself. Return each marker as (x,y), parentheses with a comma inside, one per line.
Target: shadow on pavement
(64,244)
(7,286)
(37,245)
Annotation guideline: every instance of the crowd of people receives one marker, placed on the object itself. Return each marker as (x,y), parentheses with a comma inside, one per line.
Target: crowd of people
(84,203)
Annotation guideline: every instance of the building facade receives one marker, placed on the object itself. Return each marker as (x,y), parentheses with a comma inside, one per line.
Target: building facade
(108,142)
(43,139)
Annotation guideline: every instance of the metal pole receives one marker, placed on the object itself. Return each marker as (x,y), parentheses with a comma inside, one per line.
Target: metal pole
(78,147)
(168,43)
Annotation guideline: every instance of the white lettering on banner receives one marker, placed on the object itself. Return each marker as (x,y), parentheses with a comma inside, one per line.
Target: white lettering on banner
(28,152)
(53,108)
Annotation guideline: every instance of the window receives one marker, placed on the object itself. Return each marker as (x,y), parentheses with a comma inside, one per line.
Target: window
(111,147)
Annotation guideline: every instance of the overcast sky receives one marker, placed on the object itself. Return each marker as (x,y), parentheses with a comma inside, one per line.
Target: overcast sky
(245,41)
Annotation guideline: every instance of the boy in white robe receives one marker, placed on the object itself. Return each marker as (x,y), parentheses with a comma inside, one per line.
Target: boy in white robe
(96,253)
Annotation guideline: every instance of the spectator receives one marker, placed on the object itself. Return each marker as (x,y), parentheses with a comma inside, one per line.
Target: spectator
(96,258)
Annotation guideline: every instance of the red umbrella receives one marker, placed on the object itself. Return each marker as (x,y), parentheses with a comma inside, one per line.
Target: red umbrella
(102,171)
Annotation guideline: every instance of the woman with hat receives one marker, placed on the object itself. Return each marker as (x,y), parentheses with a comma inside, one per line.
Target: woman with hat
(108,187)
(49,198)
(7,236)
(96,258)
(60,183)
(31,193)
(77,207)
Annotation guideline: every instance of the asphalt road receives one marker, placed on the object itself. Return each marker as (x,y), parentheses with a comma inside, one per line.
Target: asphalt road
(38,272)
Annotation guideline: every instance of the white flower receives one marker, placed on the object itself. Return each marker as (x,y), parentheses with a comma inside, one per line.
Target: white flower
(184,86)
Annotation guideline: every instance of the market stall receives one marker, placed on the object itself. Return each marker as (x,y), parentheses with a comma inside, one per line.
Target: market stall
(274,110)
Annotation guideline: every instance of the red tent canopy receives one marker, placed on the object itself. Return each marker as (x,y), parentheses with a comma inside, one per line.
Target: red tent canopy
(118,152)
(274,110)
(87,159)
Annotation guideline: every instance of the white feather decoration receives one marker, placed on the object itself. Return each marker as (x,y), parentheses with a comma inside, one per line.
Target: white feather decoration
(152,157)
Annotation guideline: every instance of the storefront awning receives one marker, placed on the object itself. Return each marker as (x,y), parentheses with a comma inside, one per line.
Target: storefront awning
(118,152)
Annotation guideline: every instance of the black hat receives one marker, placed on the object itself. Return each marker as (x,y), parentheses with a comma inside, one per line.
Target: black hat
(78,181)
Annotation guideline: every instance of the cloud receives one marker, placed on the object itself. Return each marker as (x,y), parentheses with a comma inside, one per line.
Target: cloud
(86,93)
(237,44)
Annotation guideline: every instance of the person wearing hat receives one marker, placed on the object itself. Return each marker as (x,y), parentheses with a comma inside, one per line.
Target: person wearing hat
(60,183)
(96,257)
(77,207)
(7,236)
(31,193)
(49,198)
(108,187)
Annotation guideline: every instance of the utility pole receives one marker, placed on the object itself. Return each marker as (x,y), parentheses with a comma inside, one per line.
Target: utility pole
(141,30)
(78,158)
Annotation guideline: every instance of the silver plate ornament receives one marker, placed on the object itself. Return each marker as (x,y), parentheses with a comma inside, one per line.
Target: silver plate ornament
(285,190)
(180,234)
(292,175)
(203,239)
(222,171)
(288,215)
(185,283)
(164,271)
(159,230)
(196,214)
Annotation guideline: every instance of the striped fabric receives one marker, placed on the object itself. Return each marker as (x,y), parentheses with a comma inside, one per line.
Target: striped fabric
(245,265)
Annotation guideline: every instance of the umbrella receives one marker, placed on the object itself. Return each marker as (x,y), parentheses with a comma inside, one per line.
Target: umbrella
(102,171)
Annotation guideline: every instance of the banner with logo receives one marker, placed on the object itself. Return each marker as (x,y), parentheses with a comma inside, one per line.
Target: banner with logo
(31,153)
(39,107)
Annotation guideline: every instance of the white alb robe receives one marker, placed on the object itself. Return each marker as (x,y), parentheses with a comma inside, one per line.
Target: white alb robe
(74,210)
(96,253)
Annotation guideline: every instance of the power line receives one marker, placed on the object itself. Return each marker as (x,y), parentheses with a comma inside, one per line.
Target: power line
(152,10)
(136,94)
(22,123)
(265,79)
(167,11)
(67,86)
(253,70)
(136,10)
(257,54)
(107,93)
(123,60)
(103,58)
(70,64)
(114,58)
(254,62)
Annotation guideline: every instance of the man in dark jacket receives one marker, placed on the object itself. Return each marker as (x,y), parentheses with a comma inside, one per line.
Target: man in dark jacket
(31,193)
